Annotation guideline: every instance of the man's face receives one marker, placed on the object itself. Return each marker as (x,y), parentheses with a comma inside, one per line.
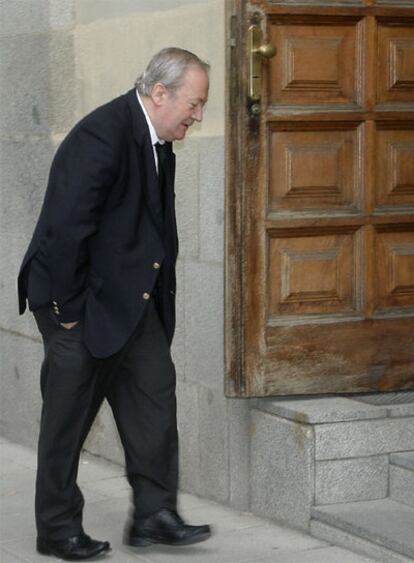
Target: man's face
(178,110)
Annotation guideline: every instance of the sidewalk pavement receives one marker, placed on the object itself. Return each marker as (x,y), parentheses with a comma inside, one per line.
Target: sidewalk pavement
(238,537)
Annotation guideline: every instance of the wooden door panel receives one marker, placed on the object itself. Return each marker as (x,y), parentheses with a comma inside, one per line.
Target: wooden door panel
(315,168)
(313,275)
(395,166)
(317,62)
(347,360)
(320,200)
(320,3)
(394,273)
(395,62)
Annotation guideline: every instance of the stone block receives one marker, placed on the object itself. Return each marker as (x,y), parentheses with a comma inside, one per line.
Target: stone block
(61,13)
(103,439)
(386,398)
(212,199)
(23,17)
(189,435)
(350,480)
(383,522)
(402,485)
(397,403)
(321,554)
(178,344)
(404,459)
(322,409)
(239,449)
(24,171)
(12,248)
(406,409)
(23,168)
(349,541)
(363,438)
(20,396)
(282,469)
(24,81)
(187,197)
(63,84)
(204,324)
(91,10)
(214,445)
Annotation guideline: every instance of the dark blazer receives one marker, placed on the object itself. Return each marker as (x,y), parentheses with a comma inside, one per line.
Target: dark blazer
(101,244)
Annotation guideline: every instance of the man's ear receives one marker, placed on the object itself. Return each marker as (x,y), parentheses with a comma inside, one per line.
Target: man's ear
(158,94)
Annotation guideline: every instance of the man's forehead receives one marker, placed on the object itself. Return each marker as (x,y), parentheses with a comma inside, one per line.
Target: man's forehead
(194,81)
(195,74)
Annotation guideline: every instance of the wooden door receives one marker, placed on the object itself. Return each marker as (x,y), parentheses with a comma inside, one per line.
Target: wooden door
(320,199)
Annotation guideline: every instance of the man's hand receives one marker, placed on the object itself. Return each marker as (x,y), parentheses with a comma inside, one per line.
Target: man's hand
(68,326)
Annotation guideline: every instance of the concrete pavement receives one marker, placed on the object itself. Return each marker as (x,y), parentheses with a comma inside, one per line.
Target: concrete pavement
(237,537)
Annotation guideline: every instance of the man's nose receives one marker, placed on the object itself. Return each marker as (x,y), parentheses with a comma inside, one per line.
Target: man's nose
(198,114)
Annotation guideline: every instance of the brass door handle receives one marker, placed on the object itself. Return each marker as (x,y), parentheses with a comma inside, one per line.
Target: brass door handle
(256,52)
(268,50)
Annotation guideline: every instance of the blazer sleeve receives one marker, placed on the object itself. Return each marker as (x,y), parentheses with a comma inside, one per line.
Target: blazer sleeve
(81,176)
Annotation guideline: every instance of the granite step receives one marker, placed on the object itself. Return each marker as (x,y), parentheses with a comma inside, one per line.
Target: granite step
(383,528)
(403,459)
(402,477)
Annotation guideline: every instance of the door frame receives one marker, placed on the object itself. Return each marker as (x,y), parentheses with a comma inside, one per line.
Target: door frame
(233,235)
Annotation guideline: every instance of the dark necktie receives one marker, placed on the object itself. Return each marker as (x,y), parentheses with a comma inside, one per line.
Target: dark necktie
(165,159)
(162,154)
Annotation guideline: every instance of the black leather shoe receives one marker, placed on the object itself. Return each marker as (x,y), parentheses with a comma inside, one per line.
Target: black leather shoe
(166,527)
(75,548)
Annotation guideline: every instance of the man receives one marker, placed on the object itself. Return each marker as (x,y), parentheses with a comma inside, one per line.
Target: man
(99,275)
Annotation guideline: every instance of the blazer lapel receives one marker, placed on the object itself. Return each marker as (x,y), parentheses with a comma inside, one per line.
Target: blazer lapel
(171,226)
(146,156)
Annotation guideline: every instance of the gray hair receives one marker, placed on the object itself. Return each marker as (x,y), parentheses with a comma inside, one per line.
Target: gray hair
(168,67)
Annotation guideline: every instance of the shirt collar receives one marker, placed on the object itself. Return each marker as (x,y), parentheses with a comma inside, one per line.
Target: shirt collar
(154,137)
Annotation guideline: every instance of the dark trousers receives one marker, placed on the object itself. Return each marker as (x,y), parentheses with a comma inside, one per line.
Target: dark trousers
(139,384)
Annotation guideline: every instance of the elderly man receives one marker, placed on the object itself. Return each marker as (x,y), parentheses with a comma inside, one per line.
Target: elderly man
(99,275)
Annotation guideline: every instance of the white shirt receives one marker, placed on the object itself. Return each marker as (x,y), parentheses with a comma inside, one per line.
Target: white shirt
(154,137)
